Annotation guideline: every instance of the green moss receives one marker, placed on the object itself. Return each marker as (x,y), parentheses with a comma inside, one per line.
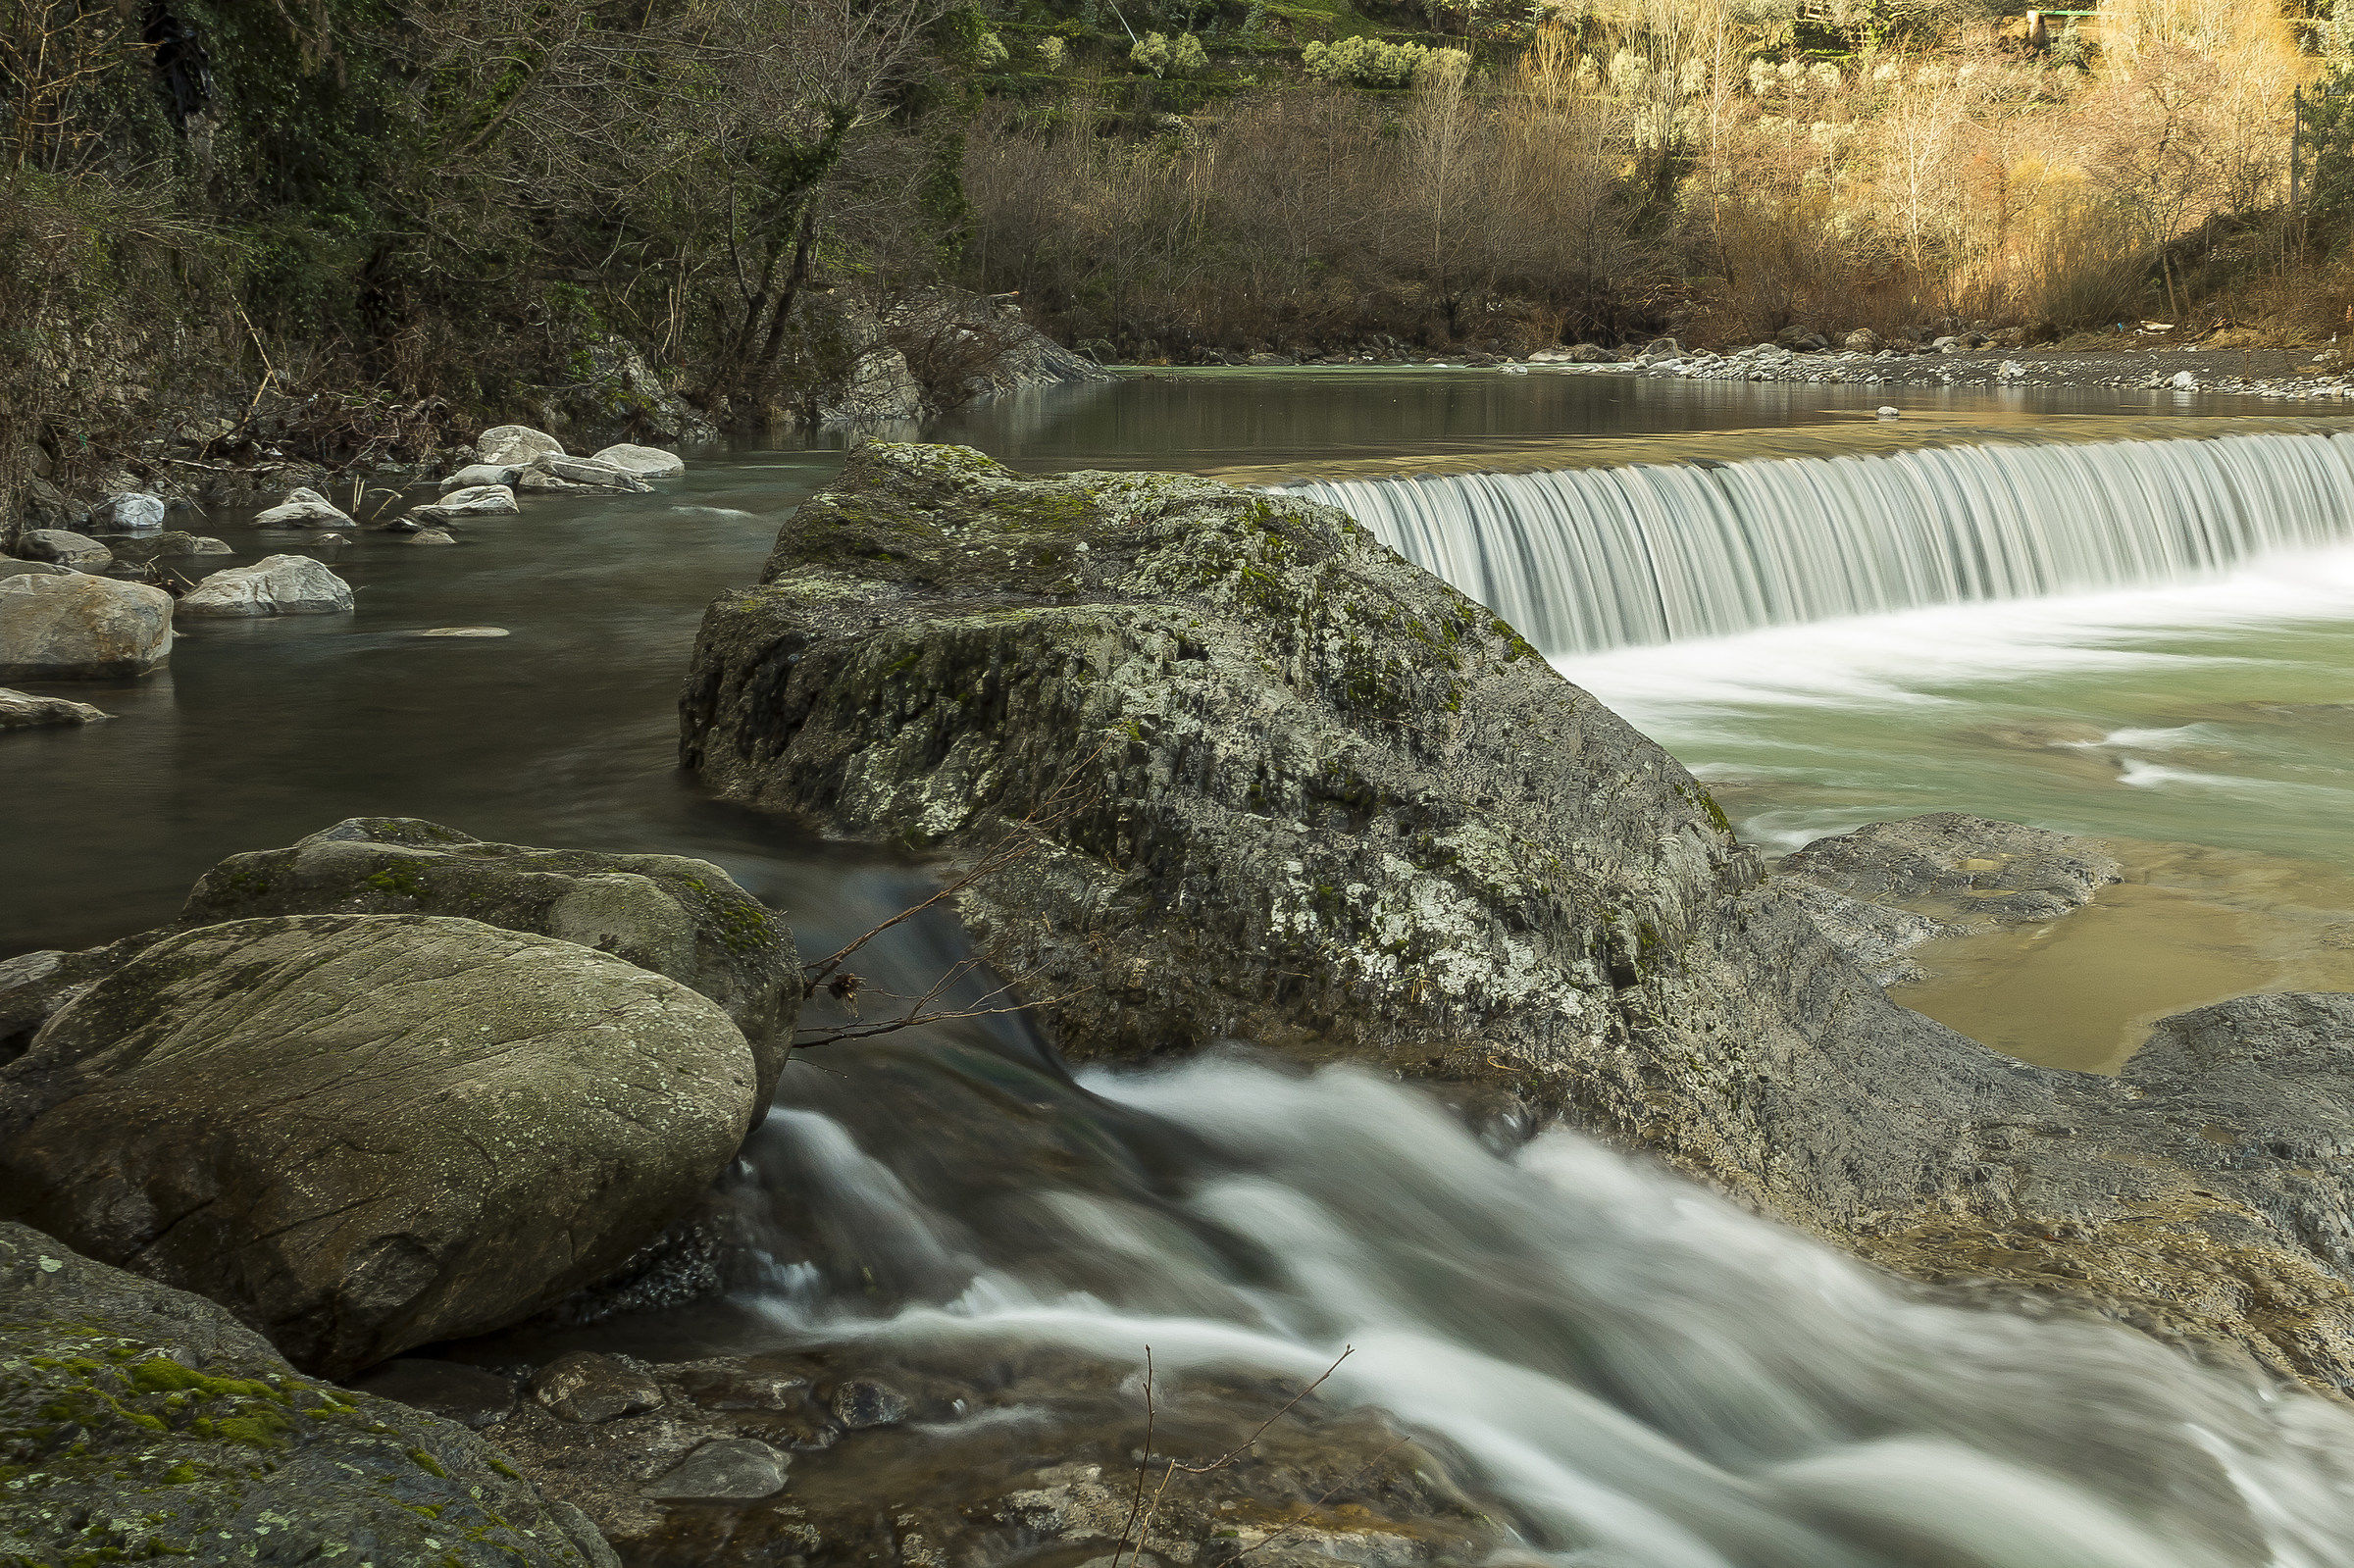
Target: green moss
(427,1463)
(401,880)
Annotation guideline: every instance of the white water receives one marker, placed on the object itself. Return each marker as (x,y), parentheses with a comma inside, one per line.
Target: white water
(1651,1378)
(1587,560)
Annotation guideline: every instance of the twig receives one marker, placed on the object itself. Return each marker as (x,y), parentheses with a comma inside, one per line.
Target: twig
(1136,1506)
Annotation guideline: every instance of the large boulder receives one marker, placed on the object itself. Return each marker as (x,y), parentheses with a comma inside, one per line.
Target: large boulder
(276,584)
(141,1423)
(1258,777)
(364,1132)
(514,446)
(556,472)
(645,462)
(82,627)
(683,918)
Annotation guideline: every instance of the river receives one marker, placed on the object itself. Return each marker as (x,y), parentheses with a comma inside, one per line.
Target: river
(1649,1378)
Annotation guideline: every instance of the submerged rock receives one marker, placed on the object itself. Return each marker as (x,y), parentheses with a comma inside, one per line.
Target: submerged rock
(686,918)
(276,584)
(1278,785)
(1968,870)
(20,710)
(364,1133)
(139,1423)
(82,627)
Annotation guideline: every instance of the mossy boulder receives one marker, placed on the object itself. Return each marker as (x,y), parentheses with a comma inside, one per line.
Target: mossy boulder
(1285,787)
(364,1132)
(138,1422)
(676,916)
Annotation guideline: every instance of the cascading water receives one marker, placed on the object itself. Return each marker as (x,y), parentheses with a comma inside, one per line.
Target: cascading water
(1590,559)
(1649,1378)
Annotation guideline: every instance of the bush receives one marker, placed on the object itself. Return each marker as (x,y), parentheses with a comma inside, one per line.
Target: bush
(1150,54)
(1051,52)
(1187,58)
(1370,63)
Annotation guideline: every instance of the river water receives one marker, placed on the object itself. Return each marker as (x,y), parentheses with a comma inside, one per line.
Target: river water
(1647,1377)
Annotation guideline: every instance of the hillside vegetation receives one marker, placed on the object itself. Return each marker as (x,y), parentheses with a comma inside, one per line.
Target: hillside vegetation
(343,228)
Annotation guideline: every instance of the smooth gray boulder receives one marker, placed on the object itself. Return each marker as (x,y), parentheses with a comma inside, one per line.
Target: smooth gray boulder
(645,461)
(1257,777)
(474,474)
(20,710)
(474,500)
(304,508)
(160,546)
(514,447)
(139,1423)
(276,584)
(82,627)
(127,512)
(1968,870)
(433,536)
(556,472)
(63,548)
(723,1470)
(366,1133)
(12,568)
(675,916)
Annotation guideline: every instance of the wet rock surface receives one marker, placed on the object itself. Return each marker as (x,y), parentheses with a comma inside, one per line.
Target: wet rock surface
(138,1422)
(1969,870)
(1286,788)
(276,584)
(20,710)
(1002,1450)
(82,627)
(366,1133)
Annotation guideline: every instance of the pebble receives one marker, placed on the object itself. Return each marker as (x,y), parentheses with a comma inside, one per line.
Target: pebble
(466,632)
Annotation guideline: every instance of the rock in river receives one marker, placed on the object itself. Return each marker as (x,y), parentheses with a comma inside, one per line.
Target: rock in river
(363,1133)
(1282,786)
(139,1423)
(683,918)
(304,508)
(20,710)
(645,461)
(63,548)
(472,500)
(1969,870)
(276,584)
(514,447)
(82,627)
(127,512)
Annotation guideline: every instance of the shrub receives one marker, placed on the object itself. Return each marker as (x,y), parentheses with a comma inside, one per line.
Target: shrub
(1187,58)
(1150,54)
(1050,54)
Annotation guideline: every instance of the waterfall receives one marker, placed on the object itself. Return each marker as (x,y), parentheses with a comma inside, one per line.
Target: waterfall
(1589,559)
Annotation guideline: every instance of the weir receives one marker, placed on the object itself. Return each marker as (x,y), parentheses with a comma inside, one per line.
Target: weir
(1588,559)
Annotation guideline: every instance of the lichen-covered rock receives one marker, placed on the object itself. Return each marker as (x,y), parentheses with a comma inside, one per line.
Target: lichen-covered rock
(1876,939)
(556,472)
(20,710)
(82,627)
(683,918)
(470,500)
(1288,789)
(139,1423)
(1969,870)
(514,446)
(364,1133)
(274,585)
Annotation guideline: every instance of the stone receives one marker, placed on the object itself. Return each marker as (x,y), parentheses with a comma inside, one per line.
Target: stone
(682,918)
(592,1389)
(476,475)
(304,508)
(1889,411)
(20,710)
(1801,340)
(475,500)
(433,536)
(1969,870)
(560,472)
(1288,790)
(1876,939)
(645,461)
(63,548)
(278,1468)
(858,1405)
(1863,340)
(464,631)
(127,512)
(366,1133)
(1662,348)
(879,387)
(723,1470)
(159,546)
(2011,370)
(450,1389)
(82,627)
(2185,382)
(10,568)
(514,447)
(276,584)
